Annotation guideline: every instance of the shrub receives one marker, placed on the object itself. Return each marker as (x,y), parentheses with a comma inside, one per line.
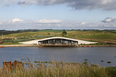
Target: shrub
(111,71)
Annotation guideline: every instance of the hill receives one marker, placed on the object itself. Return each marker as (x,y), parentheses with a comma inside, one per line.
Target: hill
(100,36)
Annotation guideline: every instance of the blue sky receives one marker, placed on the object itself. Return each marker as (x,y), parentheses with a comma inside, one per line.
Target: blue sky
(57,14)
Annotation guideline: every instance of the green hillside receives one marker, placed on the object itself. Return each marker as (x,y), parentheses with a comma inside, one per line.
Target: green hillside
(95,35)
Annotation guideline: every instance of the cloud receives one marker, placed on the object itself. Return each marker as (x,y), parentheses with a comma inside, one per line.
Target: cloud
(16,20)
(16,23)
(109,20)
(93,4)
(83,23)
(22,3)
(7,2)
(77,4)
(48,21)
(0,22)
(42,2)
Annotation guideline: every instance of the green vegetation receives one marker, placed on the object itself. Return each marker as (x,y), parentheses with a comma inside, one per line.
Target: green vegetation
(60,69)
(57,69)
(102,37)
(9,43)
(64,33)
(111,71)
(109,62)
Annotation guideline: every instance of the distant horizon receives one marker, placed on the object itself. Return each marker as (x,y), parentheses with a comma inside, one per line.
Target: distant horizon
(55,29)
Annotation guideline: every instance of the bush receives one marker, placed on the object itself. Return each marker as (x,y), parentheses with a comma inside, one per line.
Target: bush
(1,42)
(111,71)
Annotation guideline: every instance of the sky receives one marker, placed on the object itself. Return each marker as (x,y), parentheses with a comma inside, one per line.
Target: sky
(57,14)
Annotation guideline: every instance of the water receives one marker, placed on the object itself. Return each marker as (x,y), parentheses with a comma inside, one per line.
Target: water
(72,54)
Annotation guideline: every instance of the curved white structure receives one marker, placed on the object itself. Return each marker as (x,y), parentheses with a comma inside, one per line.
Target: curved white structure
(62,40)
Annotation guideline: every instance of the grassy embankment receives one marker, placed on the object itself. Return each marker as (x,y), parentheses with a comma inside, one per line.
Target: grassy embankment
(102,37)
(61,69)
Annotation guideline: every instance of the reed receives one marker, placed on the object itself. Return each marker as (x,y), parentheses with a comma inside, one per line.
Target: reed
(57,69)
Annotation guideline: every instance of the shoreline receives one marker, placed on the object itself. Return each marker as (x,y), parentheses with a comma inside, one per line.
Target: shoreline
(97,46)
(38,45)
(19,45)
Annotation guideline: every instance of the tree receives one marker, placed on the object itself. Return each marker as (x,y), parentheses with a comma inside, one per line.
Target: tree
(48,33)
(64,33)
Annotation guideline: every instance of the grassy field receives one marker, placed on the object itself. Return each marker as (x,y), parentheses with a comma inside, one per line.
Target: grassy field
(95,35)
(60,69)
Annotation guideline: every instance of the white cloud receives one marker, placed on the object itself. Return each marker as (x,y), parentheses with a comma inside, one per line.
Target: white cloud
(83,23)
(7,2)
(48,21)
(55,24)
(17,20)
(0,22)
(107,1)
(109,20)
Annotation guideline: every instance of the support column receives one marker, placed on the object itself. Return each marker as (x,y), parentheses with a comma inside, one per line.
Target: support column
(54,41)
(48,41)
(61,41)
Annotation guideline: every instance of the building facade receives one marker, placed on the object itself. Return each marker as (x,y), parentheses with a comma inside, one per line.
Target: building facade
(58,41)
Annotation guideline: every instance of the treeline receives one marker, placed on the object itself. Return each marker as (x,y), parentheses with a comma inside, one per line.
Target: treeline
(5,32)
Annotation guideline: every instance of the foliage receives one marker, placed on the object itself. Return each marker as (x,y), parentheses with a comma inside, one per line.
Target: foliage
(64,33)
(111,71)
(9,43)
(48,33)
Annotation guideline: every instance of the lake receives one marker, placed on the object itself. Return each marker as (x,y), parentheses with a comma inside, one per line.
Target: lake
(71,54)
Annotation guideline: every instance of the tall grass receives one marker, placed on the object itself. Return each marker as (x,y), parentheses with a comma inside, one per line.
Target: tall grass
(57,69)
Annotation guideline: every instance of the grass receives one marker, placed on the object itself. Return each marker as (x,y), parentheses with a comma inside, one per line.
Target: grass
(57,69)
(101,36)
(10,43)
(96,35)
(78,34)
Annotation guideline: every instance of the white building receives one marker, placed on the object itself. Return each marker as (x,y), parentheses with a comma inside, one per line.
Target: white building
(58,40)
